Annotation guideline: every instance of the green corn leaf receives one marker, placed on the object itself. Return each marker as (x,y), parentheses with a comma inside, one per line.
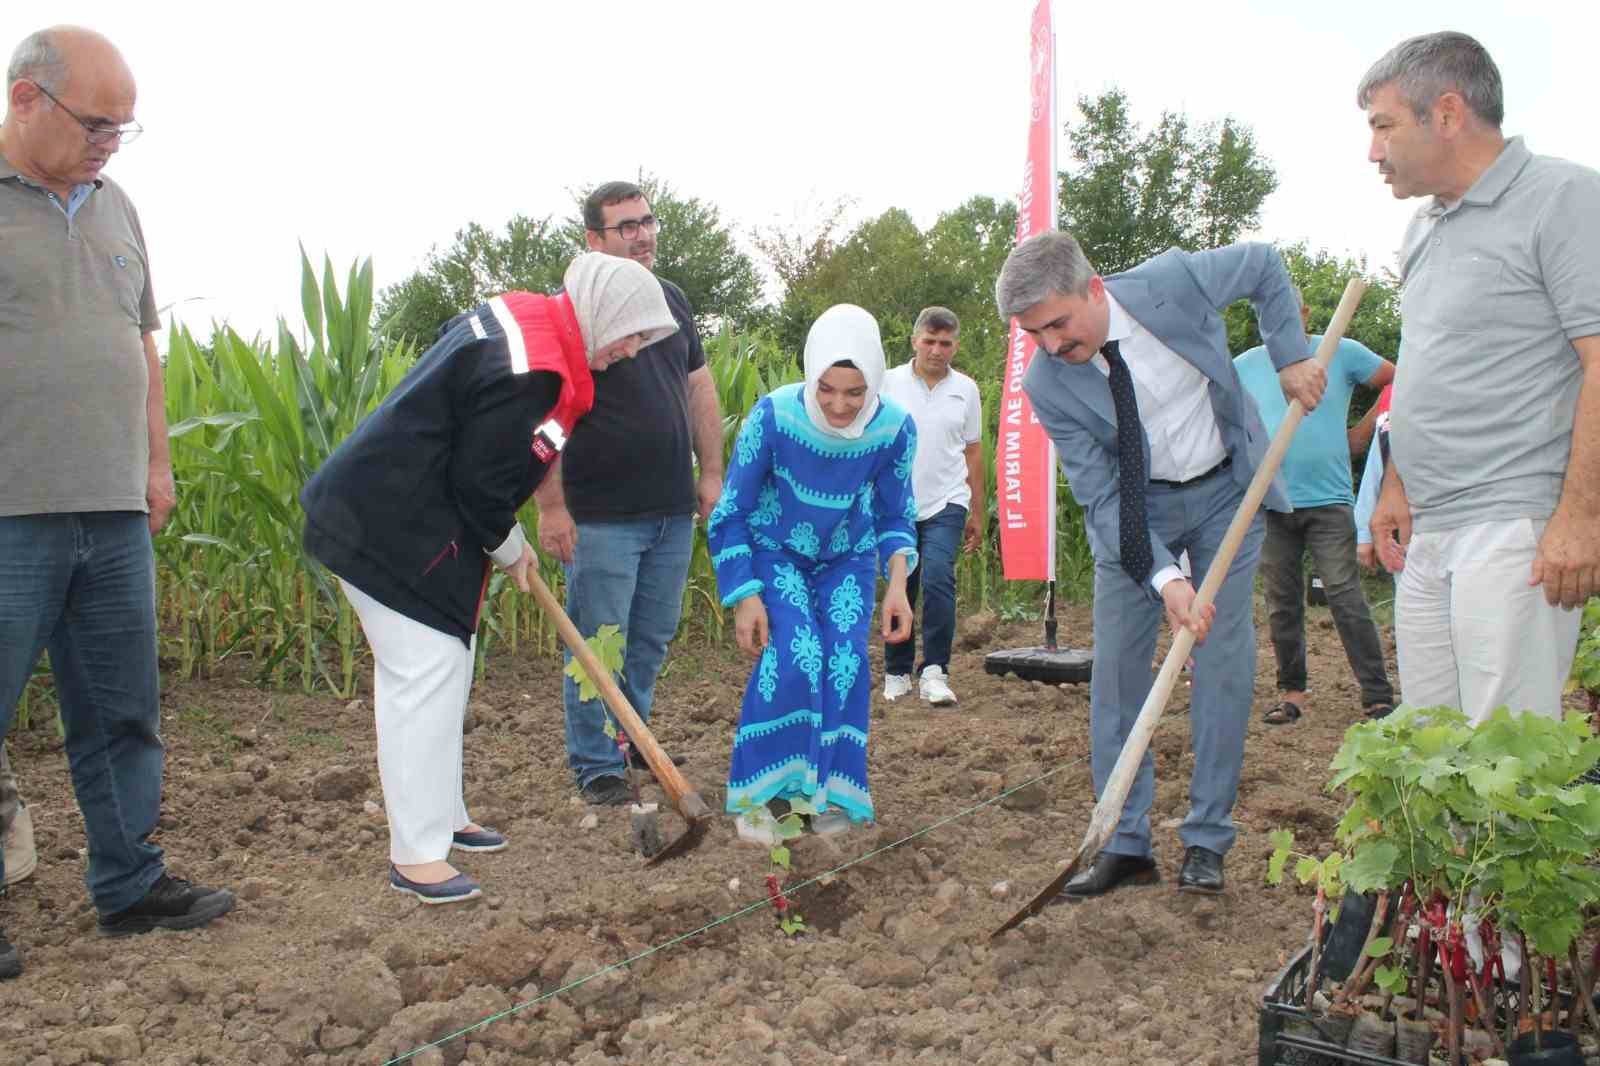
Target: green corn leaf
(310,299)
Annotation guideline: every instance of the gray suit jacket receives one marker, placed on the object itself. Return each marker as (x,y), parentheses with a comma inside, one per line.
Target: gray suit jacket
(1178,296)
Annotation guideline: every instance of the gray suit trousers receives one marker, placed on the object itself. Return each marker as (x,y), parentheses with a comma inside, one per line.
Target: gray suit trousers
(1127,619)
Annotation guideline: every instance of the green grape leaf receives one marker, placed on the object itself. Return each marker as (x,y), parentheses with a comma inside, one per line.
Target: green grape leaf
(1391,979)
(780,856)
(1380,946)
(1373,866)
(1499,780)
(608,647)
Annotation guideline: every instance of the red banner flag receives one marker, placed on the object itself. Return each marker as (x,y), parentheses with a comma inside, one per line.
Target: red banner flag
(1025,459)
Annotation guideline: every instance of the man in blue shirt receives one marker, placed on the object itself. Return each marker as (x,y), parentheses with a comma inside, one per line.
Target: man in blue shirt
(1317,471)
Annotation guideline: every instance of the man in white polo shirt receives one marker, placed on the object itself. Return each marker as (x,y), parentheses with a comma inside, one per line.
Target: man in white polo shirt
(947,481)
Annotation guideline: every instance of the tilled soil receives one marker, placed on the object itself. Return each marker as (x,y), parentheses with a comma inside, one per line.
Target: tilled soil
(276,796)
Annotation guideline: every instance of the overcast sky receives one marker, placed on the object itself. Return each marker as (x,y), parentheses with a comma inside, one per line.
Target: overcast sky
(363,129)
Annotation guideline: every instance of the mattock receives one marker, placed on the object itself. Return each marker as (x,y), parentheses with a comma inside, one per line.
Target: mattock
(685,800)
(1108,811)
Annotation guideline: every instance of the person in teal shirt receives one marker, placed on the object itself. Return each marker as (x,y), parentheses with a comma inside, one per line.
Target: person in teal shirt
(1317,471)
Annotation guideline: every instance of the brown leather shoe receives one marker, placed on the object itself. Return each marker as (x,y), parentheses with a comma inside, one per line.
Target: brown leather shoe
(1111,871)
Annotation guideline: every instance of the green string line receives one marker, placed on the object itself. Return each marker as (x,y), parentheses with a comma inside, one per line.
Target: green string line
(760,904)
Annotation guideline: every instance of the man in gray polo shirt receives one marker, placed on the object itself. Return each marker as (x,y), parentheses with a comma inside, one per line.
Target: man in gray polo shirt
(1490,507)
(84,476)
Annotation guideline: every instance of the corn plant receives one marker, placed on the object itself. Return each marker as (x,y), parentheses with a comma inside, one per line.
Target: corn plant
(249,423)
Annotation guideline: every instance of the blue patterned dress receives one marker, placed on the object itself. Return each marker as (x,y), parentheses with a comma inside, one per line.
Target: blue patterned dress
(802,520)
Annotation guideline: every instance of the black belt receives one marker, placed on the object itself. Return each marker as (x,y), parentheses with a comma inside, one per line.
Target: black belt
(1219,468)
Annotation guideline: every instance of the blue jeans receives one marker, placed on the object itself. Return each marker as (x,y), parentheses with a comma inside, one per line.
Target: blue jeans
(938,539)
(84,586)
(629,574)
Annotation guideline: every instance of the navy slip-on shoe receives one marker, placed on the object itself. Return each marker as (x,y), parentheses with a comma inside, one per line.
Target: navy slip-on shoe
(456,890)
(478,840)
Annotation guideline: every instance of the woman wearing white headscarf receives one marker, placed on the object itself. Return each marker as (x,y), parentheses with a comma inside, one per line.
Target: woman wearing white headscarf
(416,505)
(818,491)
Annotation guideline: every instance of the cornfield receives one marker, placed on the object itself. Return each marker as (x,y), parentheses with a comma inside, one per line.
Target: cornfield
(251,420)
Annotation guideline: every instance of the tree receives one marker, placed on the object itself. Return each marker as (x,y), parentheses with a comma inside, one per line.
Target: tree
(531,254)
(697,252)
(1322,277)
(894,269)
(1133,194)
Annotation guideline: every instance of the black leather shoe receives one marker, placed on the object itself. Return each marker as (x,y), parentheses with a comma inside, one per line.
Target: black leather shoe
(1202,872)
(1111,871)
(636,760)
(607,790)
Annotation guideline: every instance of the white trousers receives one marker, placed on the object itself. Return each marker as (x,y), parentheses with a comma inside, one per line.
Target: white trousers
(420,686)
(1471,632)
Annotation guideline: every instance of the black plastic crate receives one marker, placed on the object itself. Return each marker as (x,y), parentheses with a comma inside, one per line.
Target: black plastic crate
(1291,1035)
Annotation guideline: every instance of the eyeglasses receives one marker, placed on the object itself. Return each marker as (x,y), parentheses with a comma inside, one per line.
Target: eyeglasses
(630,229)
(97,135)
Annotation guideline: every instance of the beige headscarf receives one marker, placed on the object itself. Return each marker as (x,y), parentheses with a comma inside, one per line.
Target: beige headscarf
(615,298)
(844,332)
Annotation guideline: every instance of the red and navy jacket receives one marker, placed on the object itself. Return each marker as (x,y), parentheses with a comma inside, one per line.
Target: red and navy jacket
(409,506)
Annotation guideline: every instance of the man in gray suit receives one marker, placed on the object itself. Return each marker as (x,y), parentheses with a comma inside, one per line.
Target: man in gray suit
(1137,365)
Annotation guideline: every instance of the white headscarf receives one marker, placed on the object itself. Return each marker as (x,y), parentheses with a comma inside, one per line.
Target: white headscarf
(616,298)
(844,332)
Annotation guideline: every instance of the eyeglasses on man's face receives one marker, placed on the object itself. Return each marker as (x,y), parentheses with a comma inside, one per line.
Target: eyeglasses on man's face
(97,133)
(628,229)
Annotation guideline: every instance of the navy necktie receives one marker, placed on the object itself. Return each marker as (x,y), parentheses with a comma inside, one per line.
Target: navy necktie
(1134,542)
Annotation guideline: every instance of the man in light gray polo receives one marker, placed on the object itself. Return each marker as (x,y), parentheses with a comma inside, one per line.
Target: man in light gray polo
(84,476)
(1490,507)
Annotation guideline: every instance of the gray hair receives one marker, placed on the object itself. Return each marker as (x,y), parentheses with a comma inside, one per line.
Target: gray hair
(937,319)
(1426,67)
(1049,263)
(40,61)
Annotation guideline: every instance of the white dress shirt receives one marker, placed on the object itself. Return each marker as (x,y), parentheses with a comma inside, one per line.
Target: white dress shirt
(1174,407)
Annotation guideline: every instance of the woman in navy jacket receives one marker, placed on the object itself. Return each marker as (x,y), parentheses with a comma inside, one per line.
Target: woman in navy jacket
(411,511)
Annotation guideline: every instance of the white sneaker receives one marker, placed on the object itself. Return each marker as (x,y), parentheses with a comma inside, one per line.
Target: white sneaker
(758,826)
(895,686)
(830,822)
(935,689)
